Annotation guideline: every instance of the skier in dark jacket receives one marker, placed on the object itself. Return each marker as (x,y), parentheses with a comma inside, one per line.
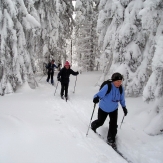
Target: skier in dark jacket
(109,106)
(50,68)
(63,77)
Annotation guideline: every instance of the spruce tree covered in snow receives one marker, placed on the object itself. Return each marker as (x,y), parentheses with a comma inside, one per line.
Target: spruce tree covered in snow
(119,26)
(19,21)
(152,21)
(57,24)
(30,31)
(128,46)
(85,32)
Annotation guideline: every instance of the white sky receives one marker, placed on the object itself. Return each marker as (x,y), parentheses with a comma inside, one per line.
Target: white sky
(38,127)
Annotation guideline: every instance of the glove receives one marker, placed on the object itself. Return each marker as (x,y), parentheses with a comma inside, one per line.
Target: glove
(96,100)
(59,79)
(125,111)
(77,72)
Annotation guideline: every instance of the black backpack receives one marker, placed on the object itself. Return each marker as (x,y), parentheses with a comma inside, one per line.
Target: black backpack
(108,82)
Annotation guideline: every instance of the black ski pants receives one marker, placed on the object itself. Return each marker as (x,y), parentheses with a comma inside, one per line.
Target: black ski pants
(112,123)
(64,87)
(50,75)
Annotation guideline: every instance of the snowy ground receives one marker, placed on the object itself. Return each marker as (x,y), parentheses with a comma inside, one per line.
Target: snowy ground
(38,127)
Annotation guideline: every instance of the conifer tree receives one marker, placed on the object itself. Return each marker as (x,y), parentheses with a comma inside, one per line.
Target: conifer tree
(85,32)
(30,31)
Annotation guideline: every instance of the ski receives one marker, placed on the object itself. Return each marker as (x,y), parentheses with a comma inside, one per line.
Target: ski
(113,145)
(99,135)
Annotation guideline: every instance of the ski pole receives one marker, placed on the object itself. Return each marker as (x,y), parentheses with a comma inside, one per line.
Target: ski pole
(56,88)
(75,85)
(122,121)
(41,77)
(91,119)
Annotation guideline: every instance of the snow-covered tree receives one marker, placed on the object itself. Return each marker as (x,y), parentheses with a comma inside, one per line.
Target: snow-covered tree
(57,24)
(31,30)
(19,22)
(127,40)
(85,32)
(118,26)
(152,21)
(150,16)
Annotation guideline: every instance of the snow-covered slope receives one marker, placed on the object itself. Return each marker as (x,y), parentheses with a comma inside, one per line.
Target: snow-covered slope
(38,127)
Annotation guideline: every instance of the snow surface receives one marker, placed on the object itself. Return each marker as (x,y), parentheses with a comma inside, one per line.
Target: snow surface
(38,127)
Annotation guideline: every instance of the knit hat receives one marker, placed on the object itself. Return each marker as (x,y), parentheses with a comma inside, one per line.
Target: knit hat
(117,76)
(67,63)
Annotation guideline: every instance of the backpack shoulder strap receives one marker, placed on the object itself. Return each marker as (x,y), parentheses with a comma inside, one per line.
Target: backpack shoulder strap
(109,87)
(120,89)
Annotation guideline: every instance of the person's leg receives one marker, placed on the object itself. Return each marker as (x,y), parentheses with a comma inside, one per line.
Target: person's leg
(52,74)
(112,126)
(66,89)
(100,119)
(62,89)
(48,77)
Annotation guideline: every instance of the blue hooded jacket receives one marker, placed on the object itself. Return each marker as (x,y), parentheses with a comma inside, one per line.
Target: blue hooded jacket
(109,102)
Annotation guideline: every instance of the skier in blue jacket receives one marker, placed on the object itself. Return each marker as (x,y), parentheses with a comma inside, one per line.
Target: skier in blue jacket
(108,105)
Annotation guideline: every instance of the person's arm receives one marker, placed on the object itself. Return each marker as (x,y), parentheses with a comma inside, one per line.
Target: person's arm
(73,72)
(55,66)
(59,75)
(122,98)
(122,102)
(102,92)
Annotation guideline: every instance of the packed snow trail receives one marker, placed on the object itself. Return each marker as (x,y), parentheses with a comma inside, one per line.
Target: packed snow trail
(38,127)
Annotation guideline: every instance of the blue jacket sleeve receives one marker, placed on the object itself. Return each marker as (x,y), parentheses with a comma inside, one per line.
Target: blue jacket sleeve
(102,92)
(122,98)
